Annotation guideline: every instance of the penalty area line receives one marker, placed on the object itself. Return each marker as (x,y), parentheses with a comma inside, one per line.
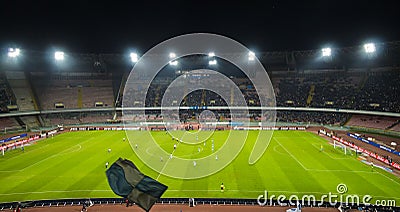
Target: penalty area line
(64,152)
(292,155)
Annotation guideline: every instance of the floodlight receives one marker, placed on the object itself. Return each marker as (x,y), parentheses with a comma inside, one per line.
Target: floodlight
(59,55)
(172,55)
(211,54)
(252,55)
(13,52)
(134,57)
(212,62)
(369,47)
(173,63)
(326,52)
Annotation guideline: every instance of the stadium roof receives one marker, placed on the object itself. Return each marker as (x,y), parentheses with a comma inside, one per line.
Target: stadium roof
(116,26)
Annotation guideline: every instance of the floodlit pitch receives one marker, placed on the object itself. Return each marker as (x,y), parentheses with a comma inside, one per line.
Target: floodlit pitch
(71,165)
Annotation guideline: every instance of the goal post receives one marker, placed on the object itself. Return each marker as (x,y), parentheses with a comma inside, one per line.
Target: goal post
(344,149)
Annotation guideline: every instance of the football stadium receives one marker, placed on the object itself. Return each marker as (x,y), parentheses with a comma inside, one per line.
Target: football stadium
(200,122)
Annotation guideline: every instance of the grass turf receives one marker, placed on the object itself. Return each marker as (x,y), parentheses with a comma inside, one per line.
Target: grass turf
(72,165)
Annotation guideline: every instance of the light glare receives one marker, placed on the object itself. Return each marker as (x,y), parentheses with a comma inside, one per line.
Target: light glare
(211,54)
(13,52)
(134,57)
(59,55)
(172,55)
(173,63)
(252,56)
(326,52)
(369,47)
(212,62)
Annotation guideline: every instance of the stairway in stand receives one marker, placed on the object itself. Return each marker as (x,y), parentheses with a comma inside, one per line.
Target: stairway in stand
(310,95)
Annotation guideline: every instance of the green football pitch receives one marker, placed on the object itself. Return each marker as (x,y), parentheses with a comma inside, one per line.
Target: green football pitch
(72,165)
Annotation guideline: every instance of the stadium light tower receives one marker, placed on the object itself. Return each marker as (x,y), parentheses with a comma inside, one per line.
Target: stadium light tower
(212,62)
(12,53)
(59,56)
(326,52)
(134,57)
(252,56)
(369,48)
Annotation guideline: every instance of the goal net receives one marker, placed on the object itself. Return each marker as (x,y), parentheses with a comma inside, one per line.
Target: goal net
(344,149)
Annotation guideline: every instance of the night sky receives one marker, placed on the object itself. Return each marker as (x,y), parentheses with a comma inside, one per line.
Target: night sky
(117,26)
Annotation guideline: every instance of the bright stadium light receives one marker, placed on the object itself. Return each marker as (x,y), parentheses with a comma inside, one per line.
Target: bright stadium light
(173,63)
(134,57)
(212,62)
(13,52)
(211,54)
(252,56)
(369,48)
(326,52)
(59,55)
(172,55)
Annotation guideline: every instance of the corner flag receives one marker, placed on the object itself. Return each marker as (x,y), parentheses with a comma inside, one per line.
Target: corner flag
(127,181)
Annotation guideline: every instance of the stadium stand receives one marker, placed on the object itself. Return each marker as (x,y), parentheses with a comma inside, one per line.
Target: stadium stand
(293,91)
(347,90)
(376,122)
(31,122)
(6,96)
(22,90)
(335,90)
(380,92)
(8,124)
(213,99)
(312,117)
(98,94)
(351,90)
(365,88)
(396,127)
(69,92)
(76,118)
(58,94)
(332,90)
(326,90)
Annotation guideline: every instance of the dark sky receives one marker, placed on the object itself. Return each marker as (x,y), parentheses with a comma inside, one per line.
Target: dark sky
(114,26)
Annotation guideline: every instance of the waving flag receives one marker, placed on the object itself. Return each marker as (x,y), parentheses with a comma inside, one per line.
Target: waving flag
(127,181)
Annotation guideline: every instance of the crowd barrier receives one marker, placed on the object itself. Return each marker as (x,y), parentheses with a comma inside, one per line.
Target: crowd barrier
(374,144)
(185,201)
(19,143)
(13,138)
